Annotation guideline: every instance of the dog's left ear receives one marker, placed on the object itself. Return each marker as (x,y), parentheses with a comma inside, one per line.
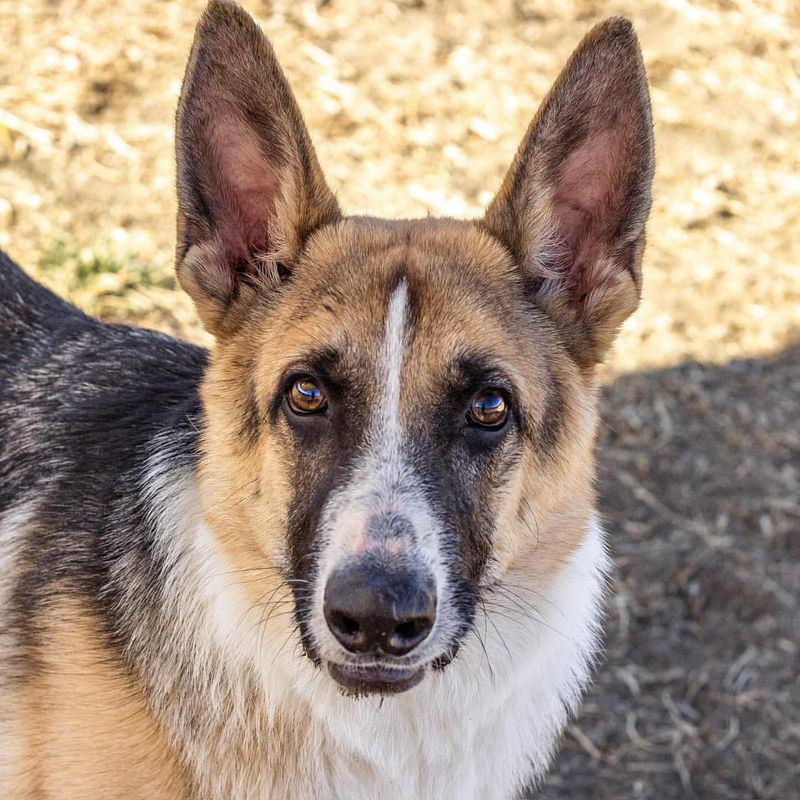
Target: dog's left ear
(250,188)
(573,206)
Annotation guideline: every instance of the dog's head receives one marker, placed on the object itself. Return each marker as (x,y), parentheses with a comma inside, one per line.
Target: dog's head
(400,414)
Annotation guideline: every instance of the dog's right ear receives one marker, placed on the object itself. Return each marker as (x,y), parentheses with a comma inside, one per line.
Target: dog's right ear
(250,188)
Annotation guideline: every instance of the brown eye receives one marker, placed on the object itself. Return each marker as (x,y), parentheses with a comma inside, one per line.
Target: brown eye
(489,409)
(306,397)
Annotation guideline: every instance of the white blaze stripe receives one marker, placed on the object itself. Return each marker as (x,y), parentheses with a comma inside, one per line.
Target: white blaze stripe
(388,435)
(385,481)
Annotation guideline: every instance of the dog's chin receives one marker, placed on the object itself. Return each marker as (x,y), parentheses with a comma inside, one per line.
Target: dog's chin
(359,680)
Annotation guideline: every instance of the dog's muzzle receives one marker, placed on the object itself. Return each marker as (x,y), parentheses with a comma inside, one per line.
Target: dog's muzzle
(379,613)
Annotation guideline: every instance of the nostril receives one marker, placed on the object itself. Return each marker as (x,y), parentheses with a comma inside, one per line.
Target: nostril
(412,629)
(408,634)
(345,627)
(348,625)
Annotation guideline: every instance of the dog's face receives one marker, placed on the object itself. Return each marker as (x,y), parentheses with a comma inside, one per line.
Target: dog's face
(395,414)
(400,415)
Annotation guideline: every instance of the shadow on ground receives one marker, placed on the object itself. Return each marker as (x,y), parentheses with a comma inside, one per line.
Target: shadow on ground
(698,696)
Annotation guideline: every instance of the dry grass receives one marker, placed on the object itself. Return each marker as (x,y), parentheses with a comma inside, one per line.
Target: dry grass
(417,107)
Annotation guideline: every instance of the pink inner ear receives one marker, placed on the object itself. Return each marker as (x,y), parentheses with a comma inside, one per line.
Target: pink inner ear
(586,202)
(241,189)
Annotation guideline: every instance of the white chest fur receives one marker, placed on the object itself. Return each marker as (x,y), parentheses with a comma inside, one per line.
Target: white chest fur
(486,724)
(481,728)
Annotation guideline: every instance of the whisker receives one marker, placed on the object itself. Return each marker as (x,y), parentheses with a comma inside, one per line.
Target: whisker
(497,630)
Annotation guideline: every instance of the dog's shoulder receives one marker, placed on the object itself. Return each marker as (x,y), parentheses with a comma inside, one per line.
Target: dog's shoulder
(49,342)
(28,312)
(84,396)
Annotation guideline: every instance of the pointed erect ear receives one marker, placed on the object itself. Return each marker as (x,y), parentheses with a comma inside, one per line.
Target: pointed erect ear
(573,206)
(250,189)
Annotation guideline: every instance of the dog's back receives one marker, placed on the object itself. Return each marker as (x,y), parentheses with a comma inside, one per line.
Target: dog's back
(78,396)
(32,322)
(29,315)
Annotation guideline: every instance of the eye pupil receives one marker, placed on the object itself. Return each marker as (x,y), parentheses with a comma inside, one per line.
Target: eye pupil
(488,409)
(306,397)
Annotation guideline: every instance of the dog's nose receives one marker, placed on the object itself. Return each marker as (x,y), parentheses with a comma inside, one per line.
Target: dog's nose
(370,608)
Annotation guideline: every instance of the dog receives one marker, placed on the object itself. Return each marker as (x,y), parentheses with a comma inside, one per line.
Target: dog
(352,551)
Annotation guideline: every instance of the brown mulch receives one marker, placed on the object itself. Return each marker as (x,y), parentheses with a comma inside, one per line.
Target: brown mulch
(698,695)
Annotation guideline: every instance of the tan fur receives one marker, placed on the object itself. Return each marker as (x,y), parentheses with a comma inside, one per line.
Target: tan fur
(83,729)
(322,309)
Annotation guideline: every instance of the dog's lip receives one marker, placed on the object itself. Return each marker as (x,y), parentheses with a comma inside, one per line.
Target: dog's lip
(362,679)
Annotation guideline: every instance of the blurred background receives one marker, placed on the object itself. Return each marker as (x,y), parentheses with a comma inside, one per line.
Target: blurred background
(417,107)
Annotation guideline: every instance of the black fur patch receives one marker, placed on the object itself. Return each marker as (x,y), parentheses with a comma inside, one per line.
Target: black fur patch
(323,449)
(84,408)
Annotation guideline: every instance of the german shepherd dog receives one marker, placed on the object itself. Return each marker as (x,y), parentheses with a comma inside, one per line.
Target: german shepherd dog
(351,552)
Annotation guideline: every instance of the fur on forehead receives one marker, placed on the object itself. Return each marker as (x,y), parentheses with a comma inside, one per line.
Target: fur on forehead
(358,256)
(465,297)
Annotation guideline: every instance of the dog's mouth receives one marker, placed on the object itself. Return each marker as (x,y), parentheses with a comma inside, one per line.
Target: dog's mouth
(367,679)
(359,680)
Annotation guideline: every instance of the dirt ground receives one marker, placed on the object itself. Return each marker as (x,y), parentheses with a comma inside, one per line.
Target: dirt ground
(417,107)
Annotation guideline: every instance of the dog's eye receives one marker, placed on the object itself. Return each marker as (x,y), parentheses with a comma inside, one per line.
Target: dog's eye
(488,409)
(306,397)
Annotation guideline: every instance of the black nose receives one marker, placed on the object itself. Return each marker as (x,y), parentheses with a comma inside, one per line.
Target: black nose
(370,608)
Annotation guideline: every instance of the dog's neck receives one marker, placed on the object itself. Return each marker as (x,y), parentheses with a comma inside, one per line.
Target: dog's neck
(255,718)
